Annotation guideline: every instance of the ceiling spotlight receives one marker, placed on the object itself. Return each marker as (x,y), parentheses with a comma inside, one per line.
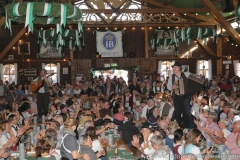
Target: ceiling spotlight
(124,28)
(106,28)
(185,14)
(196,13)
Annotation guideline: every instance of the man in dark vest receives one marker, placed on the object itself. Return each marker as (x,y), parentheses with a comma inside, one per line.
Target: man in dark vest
(181,102)
(128,100)
(43,93)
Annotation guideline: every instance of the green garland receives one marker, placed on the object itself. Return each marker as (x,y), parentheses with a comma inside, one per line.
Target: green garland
(68,38)
(182,34)
(43,13)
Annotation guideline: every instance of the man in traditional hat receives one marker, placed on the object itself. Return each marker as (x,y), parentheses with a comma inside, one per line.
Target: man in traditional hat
(181,102)
(146,147)
(43,93)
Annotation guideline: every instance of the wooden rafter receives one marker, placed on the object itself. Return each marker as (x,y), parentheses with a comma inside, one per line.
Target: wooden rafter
(96,13)
(159,4)
(205,47)
(127,5)
(224,23)
(159,10)
(12,43)
(199,17)
(2,22)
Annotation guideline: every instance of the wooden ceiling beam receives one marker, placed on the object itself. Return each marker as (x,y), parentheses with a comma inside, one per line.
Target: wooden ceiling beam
(205,47)
(2,22)
(187,10)
(13,42)
(160,10)
(193,17)
(224,23)
(85,25)
(159,4)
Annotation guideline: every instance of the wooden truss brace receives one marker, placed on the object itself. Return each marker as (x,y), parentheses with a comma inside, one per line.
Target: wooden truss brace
(159,4)
(224,23)
(13,42)
(2,22)
(205,47)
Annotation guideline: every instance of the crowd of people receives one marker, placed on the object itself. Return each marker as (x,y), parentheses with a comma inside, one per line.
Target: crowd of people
(143,110)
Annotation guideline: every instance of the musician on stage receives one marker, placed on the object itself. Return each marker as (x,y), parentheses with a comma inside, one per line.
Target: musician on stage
(43,93)
(181,102)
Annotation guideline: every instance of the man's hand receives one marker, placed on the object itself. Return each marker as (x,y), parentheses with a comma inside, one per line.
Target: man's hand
(86,157)
(174,87)
(21,131)
(106,117)
(135,141)
(99,154)
(208,131)
(195,121)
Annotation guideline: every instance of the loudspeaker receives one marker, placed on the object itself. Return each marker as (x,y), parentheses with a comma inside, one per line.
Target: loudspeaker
(3,3)
(227,5)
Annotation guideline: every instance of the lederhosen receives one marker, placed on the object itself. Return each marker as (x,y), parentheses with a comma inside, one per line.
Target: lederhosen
(181,104)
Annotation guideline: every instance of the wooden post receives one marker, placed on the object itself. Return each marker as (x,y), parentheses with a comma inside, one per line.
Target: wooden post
(146,42)
(219,54)
(72,67)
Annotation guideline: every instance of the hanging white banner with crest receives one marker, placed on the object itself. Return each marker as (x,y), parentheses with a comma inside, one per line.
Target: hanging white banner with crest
(109,44)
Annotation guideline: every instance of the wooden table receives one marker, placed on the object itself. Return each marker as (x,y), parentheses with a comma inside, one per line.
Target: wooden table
(120,142)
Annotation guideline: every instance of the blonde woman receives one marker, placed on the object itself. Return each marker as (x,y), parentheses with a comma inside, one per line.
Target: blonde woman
(172,127)
(70,147)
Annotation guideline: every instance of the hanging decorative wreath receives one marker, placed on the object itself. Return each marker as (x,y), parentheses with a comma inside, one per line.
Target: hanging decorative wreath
(43,13)
(70,38)
(183,34)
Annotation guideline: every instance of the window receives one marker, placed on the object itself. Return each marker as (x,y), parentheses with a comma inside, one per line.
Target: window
(204,66)
(52,68)
(238,69)
(166,68)
(8,73)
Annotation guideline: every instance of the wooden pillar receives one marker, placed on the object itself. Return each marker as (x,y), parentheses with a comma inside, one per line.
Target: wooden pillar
(146,42)
(71,68)
(219,54)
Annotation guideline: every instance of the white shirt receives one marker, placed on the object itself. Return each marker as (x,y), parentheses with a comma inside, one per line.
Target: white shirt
(226,132)
(144,111)
(41,90)
(14,131)
(77,91)
(127,100)
(164,153)
(3,140)
(195,108)
(169,85)
(96,146)
(148,151)
(216,101)
(161,107)
(170,113)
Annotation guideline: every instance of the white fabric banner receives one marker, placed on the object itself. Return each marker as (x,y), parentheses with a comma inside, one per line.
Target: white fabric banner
(16,72)
(109,44)
(58,72)
(209,76)
(236,66)
(160,67)
(1,69)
